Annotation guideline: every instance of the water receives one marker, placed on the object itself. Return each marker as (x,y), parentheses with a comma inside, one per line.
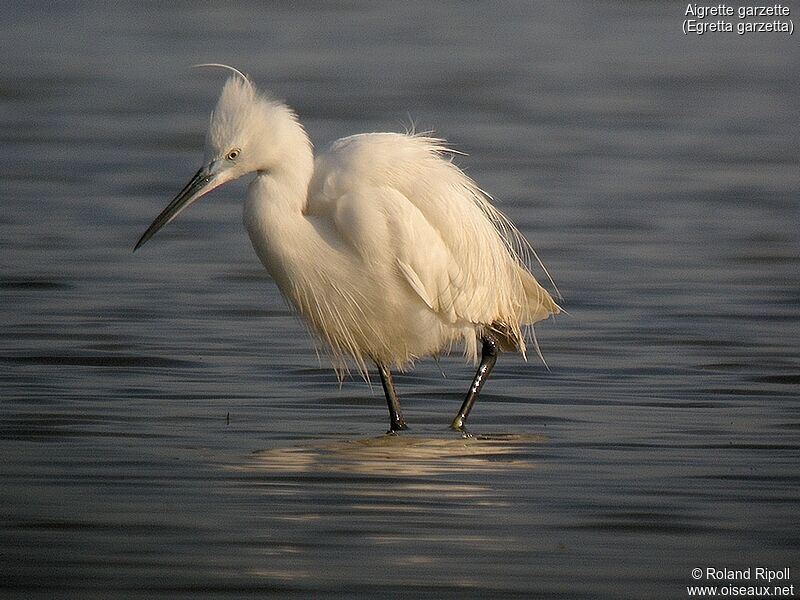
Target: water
(167,430)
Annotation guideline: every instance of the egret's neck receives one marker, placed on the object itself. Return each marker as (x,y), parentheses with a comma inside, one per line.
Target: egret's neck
(276,202)
(285,182)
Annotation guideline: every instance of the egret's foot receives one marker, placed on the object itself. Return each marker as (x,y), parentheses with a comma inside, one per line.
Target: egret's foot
(458,425)
(464,433)
(394,428)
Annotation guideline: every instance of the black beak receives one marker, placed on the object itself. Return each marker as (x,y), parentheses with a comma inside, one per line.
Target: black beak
(198,186)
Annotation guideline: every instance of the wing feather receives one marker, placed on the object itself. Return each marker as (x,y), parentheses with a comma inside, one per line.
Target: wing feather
(408,212)
(415,282)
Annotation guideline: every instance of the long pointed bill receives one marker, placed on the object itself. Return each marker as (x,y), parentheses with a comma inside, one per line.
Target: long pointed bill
(203,182)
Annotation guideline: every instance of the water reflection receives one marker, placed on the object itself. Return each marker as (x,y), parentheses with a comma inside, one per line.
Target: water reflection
(403,456)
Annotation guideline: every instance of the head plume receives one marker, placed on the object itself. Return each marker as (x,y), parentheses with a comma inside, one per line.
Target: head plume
(221,66)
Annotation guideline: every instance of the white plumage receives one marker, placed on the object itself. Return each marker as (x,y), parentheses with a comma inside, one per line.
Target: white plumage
(387,250)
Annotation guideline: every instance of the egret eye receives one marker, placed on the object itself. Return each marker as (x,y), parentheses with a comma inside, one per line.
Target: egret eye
(232,154)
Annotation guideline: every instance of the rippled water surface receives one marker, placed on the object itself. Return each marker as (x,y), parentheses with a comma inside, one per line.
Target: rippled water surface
(167,430)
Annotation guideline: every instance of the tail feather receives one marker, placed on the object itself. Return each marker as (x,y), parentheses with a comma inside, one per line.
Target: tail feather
(540,303)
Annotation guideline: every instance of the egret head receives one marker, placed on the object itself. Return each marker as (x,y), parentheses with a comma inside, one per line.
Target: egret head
(247,132)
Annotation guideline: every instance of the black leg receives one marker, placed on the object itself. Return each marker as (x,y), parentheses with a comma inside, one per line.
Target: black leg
(396,422)
(488,358)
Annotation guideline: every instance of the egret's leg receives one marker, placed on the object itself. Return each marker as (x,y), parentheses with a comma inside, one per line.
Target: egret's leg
(488,358)
(396,422)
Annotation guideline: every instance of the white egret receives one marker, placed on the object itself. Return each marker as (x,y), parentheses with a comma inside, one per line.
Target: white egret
(387,250)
